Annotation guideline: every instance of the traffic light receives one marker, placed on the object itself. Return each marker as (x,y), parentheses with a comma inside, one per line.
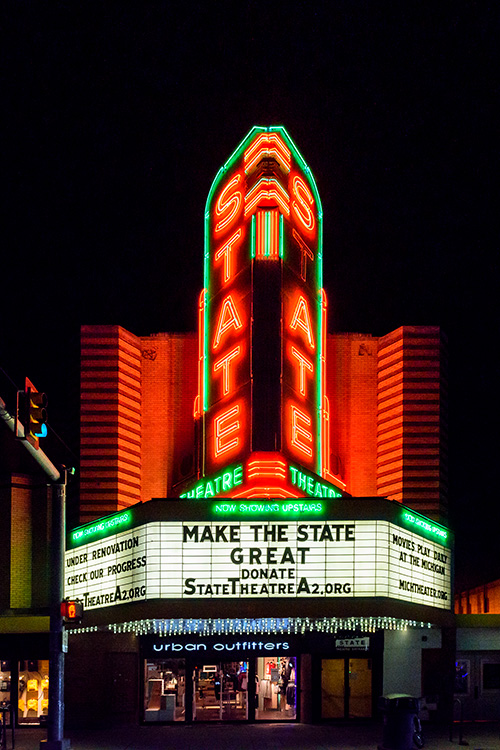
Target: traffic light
(32,413)
(71,610)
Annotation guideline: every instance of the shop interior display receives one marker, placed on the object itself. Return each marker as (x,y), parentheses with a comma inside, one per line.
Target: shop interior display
(33,700)
(164,690)
(220,691)
(275,686)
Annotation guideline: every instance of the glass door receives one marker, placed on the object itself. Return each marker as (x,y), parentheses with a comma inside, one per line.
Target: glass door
(332,689)
(346,688)
(276,688)
(220,691)
(360,688)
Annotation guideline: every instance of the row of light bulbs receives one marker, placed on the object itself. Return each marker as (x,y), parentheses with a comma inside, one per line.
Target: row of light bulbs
(264,626)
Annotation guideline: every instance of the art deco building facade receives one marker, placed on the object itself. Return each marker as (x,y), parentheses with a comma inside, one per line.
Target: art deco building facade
(263,504)
(388,416)
(236,483)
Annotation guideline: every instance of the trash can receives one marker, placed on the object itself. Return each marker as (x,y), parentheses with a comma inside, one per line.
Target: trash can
(400,713)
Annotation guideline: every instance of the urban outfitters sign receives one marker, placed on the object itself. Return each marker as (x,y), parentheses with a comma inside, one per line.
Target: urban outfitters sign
(257,558)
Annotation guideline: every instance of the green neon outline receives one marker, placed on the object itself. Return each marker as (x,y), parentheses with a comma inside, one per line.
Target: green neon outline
(245,508)
(282,237)
(101,527)
(319,386)
(309,475)
(237,153)
(229,469)
(205,354)
(253,248)
(425,527)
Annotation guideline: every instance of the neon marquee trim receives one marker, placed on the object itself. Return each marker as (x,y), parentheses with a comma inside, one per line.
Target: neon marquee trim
(267,145)
(227,207)
(225,481)
(301,319)
(267,234)
(284,508)
(103,527)
(221,433)
(299,432)
(268,468)
(264,491)
(223,364)
(237,153)
(310,485)
(199,402)
(304,364)
(305,252)
(253,237)
(267,190)
(225,251)
(228,318)
(425,525)
(302,206)
(282,236)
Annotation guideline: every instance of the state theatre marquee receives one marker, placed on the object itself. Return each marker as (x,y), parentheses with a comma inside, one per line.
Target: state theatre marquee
(331,548)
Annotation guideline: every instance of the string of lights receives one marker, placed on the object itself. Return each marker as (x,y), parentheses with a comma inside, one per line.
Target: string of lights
(255,626)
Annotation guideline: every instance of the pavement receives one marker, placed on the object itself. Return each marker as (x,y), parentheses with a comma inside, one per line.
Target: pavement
(255,737)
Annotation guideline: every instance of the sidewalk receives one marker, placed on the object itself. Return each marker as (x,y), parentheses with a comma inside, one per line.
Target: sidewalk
(255,737)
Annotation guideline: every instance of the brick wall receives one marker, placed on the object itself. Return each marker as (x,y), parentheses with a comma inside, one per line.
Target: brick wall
(169,386)
(24,541)
(20,542)
(351,375)
(412,422)
(110,420)
(480,600)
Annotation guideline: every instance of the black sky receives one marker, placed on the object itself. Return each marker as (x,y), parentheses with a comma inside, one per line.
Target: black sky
(118,115)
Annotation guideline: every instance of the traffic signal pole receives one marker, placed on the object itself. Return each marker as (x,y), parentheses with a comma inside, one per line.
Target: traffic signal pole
(58,481)
(57,648)
(40,457)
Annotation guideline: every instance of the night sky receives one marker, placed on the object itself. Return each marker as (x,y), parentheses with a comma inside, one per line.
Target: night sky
(117,117)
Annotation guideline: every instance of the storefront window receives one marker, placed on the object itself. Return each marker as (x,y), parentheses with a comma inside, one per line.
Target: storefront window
(4,683)
(462,671)
(33,700)
(220,691)
(276,693)
(164,690)
(491,676)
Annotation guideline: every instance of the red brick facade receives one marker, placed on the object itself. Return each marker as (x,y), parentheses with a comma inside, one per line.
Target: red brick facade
(411,418)
(481,600)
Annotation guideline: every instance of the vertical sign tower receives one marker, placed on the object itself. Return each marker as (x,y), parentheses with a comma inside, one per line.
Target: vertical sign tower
(261,408)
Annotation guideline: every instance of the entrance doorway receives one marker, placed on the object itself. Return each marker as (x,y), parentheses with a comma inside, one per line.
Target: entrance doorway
(275,685)
(346,688)
(477,684)
(220,691)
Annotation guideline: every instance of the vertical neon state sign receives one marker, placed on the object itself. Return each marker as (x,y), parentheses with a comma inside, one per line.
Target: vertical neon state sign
(224,393)
(303,340)
(254,215)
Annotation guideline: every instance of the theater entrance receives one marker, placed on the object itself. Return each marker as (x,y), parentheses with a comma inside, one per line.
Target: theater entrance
(346,688)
